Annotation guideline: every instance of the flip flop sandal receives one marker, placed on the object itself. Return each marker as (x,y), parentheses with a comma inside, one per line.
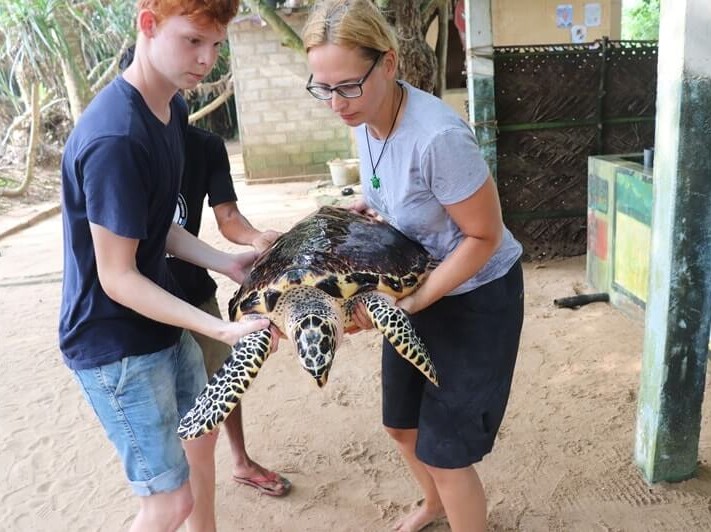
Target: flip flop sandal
(265,483)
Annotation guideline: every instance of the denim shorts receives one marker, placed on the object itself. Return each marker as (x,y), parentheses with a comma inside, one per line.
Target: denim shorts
(139,401)
(473,342)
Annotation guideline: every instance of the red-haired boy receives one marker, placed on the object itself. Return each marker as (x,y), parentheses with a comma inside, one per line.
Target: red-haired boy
(121,321)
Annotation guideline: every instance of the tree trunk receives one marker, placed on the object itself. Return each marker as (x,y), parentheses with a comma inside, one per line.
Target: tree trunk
(25,79)
(31,146)
(75,79)
(418,63)
(20,120)
(442,45)
(214,104)
(289,37)
(111,70)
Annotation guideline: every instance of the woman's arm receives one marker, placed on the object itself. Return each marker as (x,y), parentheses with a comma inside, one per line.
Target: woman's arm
(479,218)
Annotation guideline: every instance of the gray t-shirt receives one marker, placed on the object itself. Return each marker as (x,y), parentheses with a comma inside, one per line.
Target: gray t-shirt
(431,160)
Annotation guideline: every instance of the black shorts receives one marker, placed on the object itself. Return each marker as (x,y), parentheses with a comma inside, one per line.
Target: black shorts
(473,341)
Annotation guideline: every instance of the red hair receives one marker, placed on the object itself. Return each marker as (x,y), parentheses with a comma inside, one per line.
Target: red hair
(204,12)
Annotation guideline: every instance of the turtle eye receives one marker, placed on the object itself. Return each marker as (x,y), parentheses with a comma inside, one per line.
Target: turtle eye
(392,282)
(271,297)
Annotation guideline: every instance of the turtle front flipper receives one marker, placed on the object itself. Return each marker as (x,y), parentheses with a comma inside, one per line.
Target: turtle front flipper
(393,322)
(225,388)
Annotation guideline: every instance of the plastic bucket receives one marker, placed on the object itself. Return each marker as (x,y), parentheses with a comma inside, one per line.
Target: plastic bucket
(343,171)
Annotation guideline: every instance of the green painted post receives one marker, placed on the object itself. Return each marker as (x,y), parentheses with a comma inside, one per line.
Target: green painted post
(678,312)
(480,77)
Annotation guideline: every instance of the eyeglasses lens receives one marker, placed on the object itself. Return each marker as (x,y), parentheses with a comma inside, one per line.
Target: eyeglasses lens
(346,91)
(350,91)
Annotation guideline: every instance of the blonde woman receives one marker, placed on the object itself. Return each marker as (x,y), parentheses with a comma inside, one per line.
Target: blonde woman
(422,171)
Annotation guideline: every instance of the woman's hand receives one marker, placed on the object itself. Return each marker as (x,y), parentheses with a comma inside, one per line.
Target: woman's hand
(361,320)
(361,207)
(409,304)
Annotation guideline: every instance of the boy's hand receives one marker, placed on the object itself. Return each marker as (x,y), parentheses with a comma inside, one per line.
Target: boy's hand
(236,330)
(241,264)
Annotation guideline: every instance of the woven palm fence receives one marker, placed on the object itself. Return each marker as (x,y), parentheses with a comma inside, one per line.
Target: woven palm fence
(556,105)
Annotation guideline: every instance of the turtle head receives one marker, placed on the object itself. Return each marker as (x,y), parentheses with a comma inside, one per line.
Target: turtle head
(316,339)
(314,323)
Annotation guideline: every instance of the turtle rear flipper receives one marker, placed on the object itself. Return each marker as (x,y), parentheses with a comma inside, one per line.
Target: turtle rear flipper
(223,391)
(393,322)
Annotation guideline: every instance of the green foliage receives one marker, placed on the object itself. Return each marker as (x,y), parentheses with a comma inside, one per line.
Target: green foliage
(8,92)
(115,21)
(26,35)
(31,33)
(641,22)
(34,36)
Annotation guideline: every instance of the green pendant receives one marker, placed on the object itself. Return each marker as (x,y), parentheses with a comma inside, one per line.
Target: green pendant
(375,182)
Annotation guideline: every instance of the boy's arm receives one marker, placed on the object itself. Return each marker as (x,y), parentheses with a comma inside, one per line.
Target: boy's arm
(123,283)
(237,229)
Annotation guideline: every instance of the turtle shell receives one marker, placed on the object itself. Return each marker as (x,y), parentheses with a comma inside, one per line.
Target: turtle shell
(338,251)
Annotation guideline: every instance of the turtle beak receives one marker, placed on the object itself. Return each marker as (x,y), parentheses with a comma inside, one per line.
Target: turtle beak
(321,381)
(317,363)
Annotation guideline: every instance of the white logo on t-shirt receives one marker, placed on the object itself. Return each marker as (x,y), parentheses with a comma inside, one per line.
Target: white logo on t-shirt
(181,212)
(181,216)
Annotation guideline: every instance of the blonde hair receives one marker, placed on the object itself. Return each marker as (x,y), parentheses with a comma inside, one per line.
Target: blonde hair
(349,23)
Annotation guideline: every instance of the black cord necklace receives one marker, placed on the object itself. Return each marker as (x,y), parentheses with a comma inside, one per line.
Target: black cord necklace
(375,180)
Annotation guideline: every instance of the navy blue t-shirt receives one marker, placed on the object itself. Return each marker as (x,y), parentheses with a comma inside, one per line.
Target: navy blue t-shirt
(121,170)
(206,173)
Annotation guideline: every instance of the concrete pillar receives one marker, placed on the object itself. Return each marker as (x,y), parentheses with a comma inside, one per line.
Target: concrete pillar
(678,311)
(480,77)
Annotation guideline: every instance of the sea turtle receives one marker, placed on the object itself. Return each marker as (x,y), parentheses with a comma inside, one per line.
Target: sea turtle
(307,283)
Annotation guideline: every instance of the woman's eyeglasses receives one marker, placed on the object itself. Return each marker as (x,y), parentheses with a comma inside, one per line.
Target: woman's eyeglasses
(346,90)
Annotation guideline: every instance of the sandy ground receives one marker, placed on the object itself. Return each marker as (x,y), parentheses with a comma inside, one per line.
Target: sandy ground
(563,460)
